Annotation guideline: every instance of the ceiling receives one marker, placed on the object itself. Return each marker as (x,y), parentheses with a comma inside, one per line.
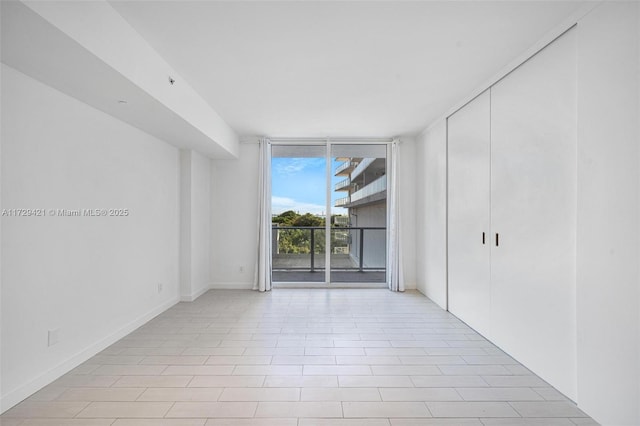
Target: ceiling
(350,69)
(37,40)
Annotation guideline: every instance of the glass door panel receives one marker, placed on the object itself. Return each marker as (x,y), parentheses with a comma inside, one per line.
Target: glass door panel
(358,213)
(298,205)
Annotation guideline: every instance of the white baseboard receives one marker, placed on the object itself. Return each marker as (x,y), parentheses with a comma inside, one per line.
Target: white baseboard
(231,286)
(193,296)
(19,394)
(410,286)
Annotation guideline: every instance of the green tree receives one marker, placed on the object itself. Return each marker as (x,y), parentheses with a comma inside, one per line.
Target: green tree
(308,220)
(286,218)
(298,241)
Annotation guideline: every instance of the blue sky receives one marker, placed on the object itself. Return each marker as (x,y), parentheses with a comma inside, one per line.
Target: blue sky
(298,184)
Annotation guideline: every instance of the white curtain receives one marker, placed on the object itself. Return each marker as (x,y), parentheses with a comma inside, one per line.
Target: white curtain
(395,278)
(262,280)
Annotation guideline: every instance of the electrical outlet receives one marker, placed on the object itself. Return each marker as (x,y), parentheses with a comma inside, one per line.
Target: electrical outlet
(53,337)
(160,287)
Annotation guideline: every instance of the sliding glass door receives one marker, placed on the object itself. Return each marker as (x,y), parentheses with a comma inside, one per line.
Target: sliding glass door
(298,206)
(359,183)
(329,195)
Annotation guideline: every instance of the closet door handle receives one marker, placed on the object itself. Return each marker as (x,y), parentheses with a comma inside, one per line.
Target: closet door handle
(483,238)
(497,239)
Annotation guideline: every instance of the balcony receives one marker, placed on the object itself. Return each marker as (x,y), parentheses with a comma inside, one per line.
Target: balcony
(341,221)
(343,185)
(341,202)
(346,168)
(361,167)
(358,254)
(375,191)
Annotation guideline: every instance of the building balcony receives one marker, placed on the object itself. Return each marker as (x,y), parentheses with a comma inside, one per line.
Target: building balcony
(361,167)
(373,192)
(341,202)
(343,185)
(341,221)
(346,168)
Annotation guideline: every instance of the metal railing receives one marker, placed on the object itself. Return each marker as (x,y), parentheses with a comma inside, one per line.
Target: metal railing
(344,166)
(304,247)
(374,187)
(366,162)
(342,184)
(342,201)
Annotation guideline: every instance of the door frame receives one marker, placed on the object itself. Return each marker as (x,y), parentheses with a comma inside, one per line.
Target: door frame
(328,143)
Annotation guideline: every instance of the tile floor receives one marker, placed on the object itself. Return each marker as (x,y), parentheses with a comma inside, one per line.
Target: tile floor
(300,357)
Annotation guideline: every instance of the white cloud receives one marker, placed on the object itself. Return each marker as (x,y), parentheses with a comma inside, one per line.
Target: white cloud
(295,165)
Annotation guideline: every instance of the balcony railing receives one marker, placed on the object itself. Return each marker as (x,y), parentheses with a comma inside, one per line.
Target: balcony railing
(374,187)
(342,185)
(366,162)
(342,201)
(302,248)
(346,167)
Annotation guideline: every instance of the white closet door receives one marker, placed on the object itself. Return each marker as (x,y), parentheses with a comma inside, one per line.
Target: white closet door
(533,190)
(468,212)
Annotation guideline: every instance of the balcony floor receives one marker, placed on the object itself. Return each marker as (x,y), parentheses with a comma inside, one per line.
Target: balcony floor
(297,268)
(336,276)
(289,260)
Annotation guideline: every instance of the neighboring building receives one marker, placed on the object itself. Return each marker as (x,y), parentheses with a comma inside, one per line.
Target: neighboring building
(365,185)
(340,236)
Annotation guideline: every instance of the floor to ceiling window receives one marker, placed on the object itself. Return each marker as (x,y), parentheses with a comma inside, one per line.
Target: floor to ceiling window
(329,195)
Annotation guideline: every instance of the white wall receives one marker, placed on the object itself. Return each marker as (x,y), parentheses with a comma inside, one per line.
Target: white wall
(185,224)
(195,224)
(234,196)
(200,223)
(407,175)
(431,225)
(93,278)
(608,214)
